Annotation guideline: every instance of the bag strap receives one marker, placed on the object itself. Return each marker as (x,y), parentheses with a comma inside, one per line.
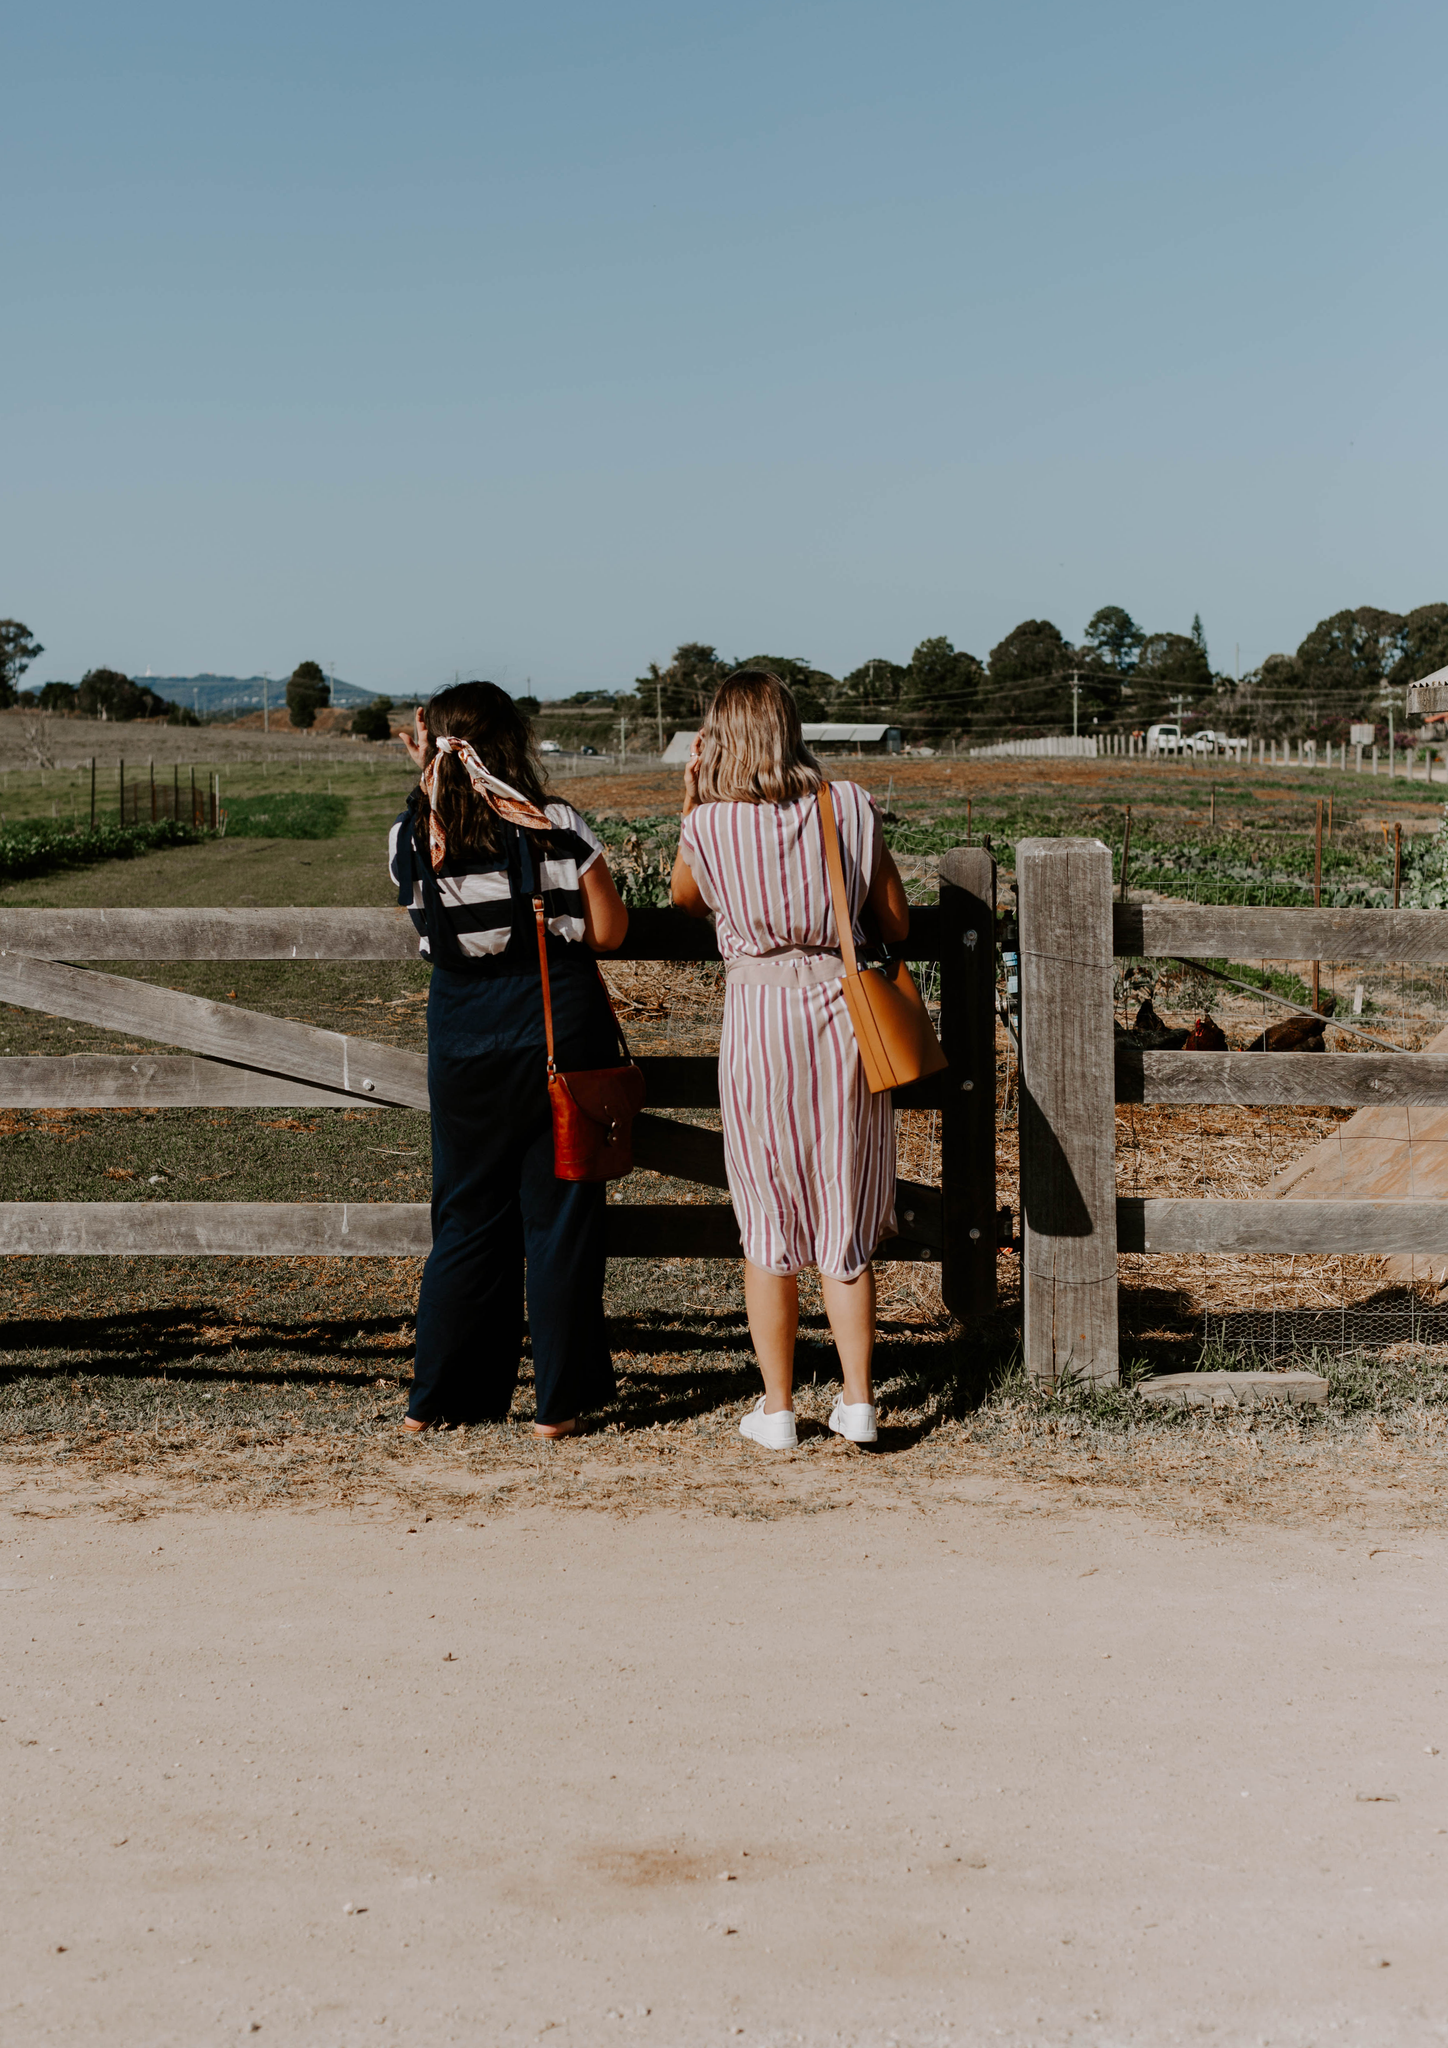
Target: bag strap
(844,923)
(547,990)
(540,920)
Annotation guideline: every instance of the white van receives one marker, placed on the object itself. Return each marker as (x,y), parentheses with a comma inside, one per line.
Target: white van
(1164,739)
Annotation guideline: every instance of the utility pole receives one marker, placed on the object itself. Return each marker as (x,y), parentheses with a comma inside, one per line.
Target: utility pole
(659,709)
(265,705)
(1390,698)
(622,741)
(1075,705)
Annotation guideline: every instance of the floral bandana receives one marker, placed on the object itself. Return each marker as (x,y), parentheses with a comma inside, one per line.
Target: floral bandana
(505,800)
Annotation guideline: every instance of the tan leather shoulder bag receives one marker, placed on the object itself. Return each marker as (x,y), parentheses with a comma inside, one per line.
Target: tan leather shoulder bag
(893,1030)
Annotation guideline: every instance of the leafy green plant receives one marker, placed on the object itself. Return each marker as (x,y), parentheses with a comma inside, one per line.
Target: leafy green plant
(1425,869)
(30,850)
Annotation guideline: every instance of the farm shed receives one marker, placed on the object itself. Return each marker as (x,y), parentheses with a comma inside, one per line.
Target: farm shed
(859,739)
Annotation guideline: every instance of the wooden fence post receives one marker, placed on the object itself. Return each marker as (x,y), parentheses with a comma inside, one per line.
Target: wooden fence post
(968,1121)
(1068,1109)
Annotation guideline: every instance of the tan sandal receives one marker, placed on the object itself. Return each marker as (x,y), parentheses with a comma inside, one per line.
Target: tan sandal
(550,1431)
(412,1427)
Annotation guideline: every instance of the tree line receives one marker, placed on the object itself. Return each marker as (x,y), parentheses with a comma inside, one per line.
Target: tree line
(1119,677)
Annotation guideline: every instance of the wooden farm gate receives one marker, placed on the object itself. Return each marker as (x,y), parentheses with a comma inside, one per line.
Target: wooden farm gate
(244,1059)
(1073,1075)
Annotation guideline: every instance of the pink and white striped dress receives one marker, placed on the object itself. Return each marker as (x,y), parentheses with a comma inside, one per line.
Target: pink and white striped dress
(810,1152)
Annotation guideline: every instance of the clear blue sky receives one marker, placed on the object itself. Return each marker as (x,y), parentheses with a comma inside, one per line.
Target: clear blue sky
(532,340)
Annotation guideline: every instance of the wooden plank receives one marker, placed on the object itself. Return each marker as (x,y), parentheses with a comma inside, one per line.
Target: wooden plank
(683,1151)
(1235,1389)
(1068,1117)
(689,1152)
(691,1081)
(156,1081)
(1162,1225)
(209,934)
(350,1066)
(1408,1080)
(1203,931)
(336,1230)
(967,1124)
(680,1080)
(217,1229)
(309,934)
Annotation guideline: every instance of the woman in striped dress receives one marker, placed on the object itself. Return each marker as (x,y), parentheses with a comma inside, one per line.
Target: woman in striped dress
(810,1152)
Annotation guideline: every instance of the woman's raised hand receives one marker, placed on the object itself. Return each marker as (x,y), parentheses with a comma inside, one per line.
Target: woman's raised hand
(691,775)
(416,740)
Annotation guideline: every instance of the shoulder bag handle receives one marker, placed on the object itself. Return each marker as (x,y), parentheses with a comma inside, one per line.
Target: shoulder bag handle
(843,921)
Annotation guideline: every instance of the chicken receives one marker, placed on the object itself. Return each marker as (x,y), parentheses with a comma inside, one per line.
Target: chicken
(1292,1034)
(1153,1035)
(1205,1036)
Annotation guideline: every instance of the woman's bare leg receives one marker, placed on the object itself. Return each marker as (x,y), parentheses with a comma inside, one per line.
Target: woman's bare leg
(850,1306)
(772,1300)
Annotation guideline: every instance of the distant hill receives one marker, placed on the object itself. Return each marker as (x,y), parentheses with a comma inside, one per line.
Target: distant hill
(223,696)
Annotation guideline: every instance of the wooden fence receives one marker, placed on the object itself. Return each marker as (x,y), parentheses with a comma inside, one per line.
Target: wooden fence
(242,1058)
(1073,1075)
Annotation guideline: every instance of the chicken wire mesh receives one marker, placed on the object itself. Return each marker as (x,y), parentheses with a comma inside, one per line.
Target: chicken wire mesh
(1275,1306)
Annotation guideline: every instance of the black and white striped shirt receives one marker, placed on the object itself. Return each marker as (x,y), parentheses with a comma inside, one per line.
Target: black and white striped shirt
(476,890)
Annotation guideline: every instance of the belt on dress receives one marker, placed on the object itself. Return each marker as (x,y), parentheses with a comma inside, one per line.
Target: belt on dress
(791,967)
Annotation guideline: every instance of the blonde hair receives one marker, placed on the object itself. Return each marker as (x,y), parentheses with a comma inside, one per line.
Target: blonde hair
(751,749)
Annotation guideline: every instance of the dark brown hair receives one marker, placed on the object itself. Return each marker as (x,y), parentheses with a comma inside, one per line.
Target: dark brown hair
(488,719)
(751,749)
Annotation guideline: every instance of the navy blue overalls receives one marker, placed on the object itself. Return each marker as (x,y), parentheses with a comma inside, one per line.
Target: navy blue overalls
(496,1204)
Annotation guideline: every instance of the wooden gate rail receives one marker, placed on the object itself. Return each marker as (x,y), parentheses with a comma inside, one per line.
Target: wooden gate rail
(1073,1075)
(252,1060)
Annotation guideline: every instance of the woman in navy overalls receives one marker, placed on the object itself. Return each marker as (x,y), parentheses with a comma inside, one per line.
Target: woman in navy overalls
(475,843)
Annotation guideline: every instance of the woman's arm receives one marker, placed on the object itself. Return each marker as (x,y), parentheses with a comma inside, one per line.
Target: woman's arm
(605,920)
(683,889)
(886,905)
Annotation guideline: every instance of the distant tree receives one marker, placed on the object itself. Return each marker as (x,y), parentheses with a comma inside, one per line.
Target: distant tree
(941,688)
(1199,636)
(181,714)
(1424,643)
(872,691)
(57,696)
(1112,640)
(811,688)
(1169,665)
(374,721)
(105,693)
(1027,687)
(307,692)
(683,689)
(528,706)
(18,648)
(1345,660)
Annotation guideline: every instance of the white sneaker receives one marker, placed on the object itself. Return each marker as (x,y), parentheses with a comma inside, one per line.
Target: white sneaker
(855,1424)
(776,1432)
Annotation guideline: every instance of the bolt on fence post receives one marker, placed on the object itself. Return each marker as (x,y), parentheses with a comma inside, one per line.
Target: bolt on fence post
(968,1120)
(1068,1110)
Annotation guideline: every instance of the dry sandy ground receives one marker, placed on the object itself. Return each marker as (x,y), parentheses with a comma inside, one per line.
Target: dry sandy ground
(977,1770)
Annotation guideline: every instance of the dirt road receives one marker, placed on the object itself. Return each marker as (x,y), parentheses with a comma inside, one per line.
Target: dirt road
(978,1773)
